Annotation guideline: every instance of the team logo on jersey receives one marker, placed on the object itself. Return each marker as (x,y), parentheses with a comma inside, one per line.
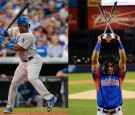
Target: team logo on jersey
(109,82)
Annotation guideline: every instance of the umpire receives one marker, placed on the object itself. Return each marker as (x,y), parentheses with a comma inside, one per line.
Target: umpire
(109,82)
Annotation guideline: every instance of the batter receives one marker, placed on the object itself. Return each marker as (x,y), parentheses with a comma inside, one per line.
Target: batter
(30,64)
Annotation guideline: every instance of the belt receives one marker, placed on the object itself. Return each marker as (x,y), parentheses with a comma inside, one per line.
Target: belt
(109,111)
(28,59)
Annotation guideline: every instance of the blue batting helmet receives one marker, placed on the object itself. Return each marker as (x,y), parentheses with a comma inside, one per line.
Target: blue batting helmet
(23,21)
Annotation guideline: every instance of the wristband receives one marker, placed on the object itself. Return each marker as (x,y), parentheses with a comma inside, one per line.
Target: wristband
(10,46)
(97,47)
(120,46)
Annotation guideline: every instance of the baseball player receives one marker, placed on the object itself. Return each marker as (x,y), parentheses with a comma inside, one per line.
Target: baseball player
(62,73)
(108,82)
(26,92)
(30,64)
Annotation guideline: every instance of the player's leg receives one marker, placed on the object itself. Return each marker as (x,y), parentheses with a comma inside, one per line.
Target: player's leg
(19,76)
(101,113)
(33,70)
(39,101)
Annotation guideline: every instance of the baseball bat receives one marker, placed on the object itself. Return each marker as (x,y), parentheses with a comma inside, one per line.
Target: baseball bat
(20,12)
(102,11)
(112,11)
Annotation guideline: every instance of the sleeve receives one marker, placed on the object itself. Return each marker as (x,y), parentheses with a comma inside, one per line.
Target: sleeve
(121,74)
(96,74)
(72,68)
(13,31)
(25,41)
(96,77)
(65,70)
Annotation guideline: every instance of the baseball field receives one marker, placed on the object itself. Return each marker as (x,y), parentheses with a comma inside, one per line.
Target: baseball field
(82,95)
(37,111)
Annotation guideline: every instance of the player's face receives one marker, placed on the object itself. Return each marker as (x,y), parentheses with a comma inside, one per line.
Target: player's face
(109,68)
(23,29)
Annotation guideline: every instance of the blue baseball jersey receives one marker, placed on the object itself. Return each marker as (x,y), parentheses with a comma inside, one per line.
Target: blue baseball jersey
(69,69)
(65,70)
(27,90)
(108,88)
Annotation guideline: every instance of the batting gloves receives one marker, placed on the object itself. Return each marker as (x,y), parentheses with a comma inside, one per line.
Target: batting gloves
(2,40)
(4,33)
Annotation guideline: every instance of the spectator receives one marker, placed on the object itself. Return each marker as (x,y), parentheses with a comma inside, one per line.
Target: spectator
(63,73)
(45,18)
(64,37)
(2,4)
(65,52)
(51,8)
(3,51)
(59,4)
(54,48)
(3,76)
(34,23)
(19,4)
(28,93)
(45,4)
(41,48)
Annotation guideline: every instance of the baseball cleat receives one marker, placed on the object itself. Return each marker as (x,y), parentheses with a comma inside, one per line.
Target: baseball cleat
(51,103)
(8,110)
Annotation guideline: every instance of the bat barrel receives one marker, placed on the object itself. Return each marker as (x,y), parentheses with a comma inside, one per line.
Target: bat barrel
(20,12)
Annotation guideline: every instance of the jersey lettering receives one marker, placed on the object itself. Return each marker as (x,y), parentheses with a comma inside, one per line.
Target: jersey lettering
(109,82)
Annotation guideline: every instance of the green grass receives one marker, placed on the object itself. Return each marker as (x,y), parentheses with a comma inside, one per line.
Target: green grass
(82,107)
(79,76)
(76,88)
(80,88)
(128,86)
(89,107)
(130,75)
(56,109)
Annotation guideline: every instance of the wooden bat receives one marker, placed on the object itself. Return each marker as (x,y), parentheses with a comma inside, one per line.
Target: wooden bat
(20,12)
(112,11)
(103,13)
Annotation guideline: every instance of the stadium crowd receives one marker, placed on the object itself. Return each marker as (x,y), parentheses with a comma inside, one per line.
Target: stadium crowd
(48,22)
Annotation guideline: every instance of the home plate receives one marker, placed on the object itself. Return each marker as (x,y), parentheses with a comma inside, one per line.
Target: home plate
(91,94)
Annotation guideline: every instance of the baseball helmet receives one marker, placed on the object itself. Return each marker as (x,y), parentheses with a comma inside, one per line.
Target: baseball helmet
(23,21)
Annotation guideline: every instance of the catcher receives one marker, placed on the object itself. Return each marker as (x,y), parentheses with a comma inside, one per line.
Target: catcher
(108,81)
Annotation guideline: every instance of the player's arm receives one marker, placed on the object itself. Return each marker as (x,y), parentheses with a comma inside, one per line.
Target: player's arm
(95,54)
(61,74)
(122,55)
(14,47)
